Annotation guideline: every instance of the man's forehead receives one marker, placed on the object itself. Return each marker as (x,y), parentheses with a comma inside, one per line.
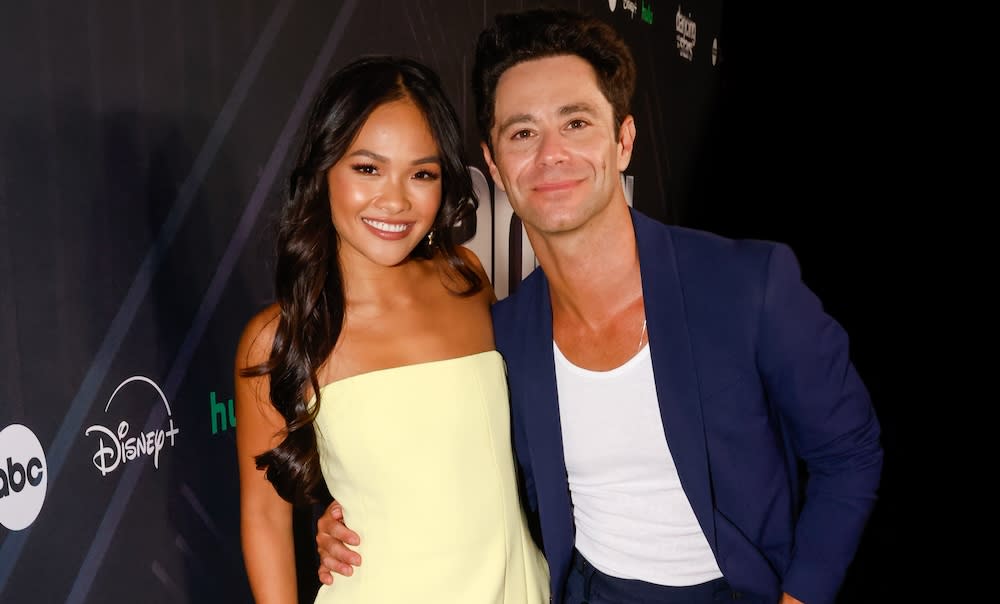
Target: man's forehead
(563,77)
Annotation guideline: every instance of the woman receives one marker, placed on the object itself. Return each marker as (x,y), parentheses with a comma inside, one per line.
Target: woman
(375,372)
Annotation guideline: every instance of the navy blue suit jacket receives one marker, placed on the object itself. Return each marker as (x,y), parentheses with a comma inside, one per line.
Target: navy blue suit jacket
(752,377)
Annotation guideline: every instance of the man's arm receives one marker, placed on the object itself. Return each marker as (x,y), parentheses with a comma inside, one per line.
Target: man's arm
(804,360)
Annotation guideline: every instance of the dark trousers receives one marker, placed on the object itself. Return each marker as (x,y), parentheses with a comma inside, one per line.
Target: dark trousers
(587,585)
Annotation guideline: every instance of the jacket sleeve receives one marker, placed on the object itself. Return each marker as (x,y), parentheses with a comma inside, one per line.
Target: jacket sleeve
(826,410)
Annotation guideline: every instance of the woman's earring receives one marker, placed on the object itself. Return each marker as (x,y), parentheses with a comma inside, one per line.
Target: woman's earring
(430,238)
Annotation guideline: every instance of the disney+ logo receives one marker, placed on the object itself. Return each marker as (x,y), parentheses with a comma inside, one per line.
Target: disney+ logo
(119,447)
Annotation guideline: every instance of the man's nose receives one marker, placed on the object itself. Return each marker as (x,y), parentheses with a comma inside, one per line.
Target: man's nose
(552,148)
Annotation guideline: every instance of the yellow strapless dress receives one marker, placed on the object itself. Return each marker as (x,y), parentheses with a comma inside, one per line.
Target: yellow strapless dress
(420,457)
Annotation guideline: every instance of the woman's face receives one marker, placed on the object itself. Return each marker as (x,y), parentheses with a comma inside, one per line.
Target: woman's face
(386,189)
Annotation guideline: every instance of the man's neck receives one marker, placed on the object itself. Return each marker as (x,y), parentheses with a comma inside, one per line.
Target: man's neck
(593,272)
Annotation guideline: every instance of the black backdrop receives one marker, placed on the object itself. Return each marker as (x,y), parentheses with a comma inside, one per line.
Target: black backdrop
(141,159)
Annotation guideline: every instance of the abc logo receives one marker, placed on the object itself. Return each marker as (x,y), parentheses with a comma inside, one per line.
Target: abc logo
(23,477)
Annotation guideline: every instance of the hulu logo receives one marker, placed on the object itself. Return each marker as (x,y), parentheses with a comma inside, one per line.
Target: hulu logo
(647,12)
(220,415)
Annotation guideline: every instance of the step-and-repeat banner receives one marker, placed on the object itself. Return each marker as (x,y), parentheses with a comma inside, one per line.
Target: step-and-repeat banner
(142,158)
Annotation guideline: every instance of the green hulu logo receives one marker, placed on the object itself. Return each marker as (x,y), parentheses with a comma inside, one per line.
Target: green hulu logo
(220,415)
(647,12)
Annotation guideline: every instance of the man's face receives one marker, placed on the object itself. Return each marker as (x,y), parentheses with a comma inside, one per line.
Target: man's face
(556,151)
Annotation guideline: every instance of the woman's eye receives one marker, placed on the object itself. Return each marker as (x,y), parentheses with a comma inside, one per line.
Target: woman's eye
(426,175)
(365,168)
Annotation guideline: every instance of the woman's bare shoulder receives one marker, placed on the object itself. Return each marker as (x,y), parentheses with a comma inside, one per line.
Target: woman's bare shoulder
(257,338)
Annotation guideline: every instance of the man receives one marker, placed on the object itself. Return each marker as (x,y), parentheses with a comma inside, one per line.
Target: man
(665,383)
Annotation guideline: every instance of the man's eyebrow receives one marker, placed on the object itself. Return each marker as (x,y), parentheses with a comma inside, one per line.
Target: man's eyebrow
(514,119)
(569,109)
(576,108)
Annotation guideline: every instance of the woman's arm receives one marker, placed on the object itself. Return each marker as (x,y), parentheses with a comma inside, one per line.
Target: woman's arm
(265,518)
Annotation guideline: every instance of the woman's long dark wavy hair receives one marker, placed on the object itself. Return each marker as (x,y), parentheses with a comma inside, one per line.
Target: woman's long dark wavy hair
(308,281)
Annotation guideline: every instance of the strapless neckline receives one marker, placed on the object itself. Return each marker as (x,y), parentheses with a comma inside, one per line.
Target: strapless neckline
(423,365)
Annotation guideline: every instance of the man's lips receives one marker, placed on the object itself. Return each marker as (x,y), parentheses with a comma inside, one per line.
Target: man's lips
(556,186)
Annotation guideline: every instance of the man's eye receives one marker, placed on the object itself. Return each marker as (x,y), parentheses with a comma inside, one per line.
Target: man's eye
(521,134)
(575,124)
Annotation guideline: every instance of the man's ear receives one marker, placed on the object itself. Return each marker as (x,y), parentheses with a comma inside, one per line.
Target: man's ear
(492,166)
(626,139)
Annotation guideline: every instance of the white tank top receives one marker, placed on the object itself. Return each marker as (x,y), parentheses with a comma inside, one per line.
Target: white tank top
(633,520)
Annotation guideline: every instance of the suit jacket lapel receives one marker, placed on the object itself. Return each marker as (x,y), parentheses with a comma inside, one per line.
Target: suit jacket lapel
(673,366)
(540,406)
(544,427)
